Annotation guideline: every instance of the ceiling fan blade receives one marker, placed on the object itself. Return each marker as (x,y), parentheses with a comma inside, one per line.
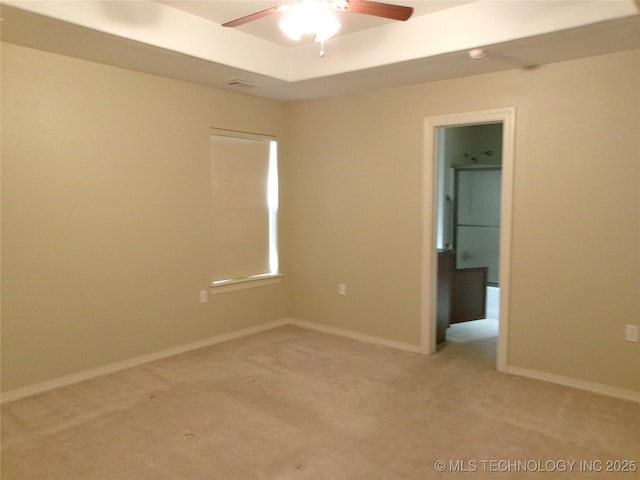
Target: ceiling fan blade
(250,18)
(377,9)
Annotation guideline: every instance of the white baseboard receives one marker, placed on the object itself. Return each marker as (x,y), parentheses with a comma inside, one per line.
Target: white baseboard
(599,388)
(114,367)
(341,332)
(133,362)
(42,387)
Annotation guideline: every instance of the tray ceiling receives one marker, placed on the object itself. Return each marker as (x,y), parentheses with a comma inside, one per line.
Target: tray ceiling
(185,40)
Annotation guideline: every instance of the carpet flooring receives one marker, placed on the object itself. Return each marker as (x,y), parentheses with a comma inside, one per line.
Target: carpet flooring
(291,403)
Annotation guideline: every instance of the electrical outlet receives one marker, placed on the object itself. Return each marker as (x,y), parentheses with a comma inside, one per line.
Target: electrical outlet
(204,297)
(342,289)
(632,333)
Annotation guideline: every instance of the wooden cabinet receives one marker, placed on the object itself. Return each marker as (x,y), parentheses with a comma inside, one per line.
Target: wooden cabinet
(446,260)
(461,293)
(468,294)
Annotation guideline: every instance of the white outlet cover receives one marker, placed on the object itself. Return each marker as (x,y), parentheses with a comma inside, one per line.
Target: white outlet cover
(632,333)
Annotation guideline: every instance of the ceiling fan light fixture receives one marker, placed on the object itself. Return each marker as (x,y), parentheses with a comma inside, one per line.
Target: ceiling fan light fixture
(309,17)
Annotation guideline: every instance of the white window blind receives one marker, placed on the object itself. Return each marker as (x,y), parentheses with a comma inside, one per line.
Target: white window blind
(242,171)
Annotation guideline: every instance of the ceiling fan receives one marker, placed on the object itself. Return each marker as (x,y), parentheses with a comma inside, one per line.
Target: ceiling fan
(316,17)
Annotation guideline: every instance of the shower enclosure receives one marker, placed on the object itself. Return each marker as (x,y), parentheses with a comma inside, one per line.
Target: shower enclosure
(476,218)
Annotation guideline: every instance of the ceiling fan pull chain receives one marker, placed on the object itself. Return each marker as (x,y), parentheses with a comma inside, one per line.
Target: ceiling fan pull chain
(322,48)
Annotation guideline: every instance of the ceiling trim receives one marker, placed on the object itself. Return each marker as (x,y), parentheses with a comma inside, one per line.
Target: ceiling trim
(154,38)
(461,28)
(158,25)
(454,29)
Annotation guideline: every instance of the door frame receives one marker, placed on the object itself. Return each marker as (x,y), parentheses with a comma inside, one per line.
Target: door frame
(506,116)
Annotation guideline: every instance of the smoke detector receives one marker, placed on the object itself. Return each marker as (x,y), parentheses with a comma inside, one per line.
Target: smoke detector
(477,53)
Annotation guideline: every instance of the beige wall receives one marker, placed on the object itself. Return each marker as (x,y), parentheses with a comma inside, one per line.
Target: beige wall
(105,215)
(356,179)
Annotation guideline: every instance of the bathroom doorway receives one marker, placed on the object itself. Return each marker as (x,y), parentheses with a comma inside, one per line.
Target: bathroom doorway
(469,188)
(468,197)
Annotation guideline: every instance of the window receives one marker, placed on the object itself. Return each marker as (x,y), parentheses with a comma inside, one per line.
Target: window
(244,181)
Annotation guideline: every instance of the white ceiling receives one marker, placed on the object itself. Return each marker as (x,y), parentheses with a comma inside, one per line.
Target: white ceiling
(222,11)
(185,40)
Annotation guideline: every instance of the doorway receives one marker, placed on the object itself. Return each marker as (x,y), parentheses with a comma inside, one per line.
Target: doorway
(439,235)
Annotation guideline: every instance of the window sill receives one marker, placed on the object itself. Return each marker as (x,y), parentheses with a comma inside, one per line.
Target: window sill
(227,286)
